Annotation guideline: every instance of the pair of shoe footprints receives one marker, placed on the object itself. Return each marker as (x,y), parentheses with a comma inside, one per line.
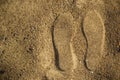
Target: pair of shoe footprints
(62,33)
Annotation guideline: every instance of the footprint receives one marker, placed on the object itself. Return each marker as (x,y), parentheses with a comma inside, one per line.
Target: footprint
(95,35)
(62,36)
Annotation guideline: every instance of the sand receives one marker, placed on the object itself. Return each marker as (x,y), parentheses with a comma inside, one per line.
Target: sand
(59,40)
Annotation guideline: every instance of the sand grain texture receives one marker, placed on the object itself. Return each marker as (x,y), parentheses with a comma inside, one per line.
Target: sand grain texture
(59,40)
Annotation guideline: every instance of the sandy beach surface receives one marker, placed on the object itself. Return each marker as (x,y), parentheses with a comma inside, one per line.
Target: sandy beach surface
(59,39)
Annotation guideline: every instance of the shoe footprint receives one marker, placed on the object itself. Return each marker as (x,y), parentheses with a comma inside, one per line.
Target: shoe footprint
(61,41)
(95,37)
